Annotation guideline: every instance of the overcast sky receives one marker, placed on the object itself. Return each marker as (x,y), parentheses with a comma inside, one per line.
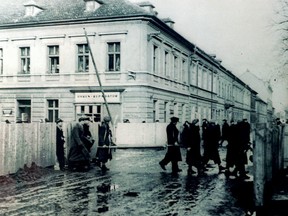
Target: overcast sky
(242,33)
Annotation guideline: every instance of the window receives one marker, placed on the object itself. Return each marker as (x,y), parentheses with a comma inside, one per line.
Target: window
(155,59)
(53,110)
(176,67)
(176,110)
(209,80)
(205,81)
(93,111)
(193,73)
(166,111)
(24,111)
(184,71)
(25,60)
(114,56)
(183,110)
(200,76)
(166,63)
(53,56)
(83,58)
(1,61)
(155,110)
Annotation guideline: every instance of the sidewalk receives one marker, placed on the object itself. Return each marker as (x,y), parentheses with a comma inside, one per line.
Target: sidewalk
(135,185)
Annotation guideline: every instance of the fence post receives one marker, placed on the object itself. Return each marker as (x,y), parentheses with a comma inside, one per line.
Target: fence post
(259,170)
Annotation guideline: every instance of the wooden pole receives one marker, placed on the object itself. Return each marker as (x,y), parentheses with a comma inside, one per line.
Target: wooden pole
(98,77)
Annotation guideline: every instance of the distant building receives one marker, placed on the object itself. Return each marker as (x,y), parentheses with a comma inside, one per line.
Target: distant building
(148,70)
(264,106)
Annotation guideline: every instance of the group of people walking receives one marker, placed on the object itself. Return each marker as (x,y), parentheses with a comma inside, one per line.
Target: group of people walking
(80,144)
(191,136)
(211,135)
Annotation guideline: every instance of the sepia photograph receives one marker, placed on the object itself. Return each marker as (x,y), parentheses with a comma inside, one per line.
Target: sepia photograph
(134,107)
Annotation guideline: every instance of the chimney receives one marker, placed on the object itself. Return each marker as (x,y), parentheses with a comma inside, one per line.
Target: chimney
(147,6)
(169,22)
(92,5)
(32,9)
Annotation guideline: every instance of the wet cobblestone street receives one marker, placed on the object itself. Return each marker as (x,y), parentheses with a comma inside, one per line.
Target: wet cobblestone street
(135,185)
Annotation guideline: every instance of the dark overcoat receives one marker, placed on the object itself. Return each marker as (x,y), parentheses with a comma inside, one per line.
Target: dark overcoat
(173,151)
(193,156)
(105,135)
(233,140)
(60,147)
(77,151)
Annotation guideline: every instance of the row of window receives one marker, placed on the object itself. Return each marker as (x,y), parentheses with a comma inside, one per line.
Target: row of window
(53,58)
(175,65)
(23,112)
(182,111)
(172,66)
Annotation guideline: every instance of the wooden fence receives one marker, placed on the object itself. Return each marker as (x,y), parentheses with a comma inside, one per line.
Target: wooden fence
(268,160)
(26,143)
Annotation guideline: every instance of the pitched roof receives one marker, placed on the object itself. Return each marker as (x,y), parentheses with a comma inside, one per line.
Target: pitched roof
(12,12)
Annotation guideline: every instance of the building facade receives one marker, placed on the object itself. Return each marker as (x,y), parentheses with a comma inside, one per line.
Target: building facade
(149,72)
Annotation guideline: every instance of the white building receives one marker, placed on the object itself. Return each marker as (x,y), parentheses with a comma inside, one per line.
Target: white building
(148,70)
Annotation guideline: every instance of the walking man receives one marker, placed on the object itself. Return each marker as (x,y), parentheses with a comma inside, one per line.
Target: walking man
(173,153)
(105,141)
(193,156)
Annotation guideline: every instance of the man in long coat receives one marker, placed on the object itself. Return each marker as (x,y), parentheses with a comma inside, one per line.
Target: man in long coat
(212,153)
(243,145)
(173,153)
(78,157)
(231,154)
(193,156)
(104,143)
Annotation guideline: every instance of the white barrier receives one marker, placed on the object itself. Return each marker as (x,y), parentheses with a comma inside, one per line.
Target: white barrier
(141,134)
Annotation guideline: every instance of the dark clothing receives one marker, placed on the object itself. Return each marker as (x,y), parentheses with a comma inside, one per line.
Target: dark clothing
(185,135)
(60,148)
(173,153)
(224,134)
(204,130)
(232,138)
(78,154)
(211,151)
(242,146)
(104,152)
(193,156)
(87,138)
(225,131)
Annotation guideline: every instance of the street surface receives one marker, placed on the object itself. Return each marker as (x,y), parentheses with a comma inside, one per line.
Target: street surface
(135,185)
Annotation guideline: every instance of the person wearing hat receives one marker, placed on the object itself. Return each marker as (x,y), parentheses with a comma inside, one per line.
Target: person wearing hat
(78,157)
(211,150)
(173,153)
(105,140)
(193,156)
(60,140)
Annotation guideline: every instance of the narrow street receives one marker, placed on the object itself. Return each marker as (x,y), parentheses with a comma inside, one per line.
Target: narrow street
(135,185)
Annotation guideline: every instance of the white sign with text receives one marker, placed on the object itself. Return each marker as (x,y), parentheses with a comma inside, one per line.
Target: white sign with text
(97,97)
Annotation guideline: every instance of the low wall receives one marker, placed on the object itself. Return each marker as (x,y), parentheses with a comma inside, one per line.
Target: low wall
(26,143)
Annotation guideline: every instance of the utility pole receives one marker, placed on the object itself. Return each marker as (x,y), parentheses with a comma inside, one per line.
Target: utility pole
(98,77)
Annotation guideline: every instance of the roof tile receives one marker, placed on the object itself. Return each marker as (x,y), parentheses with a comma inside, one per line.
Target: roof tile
(55,10)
